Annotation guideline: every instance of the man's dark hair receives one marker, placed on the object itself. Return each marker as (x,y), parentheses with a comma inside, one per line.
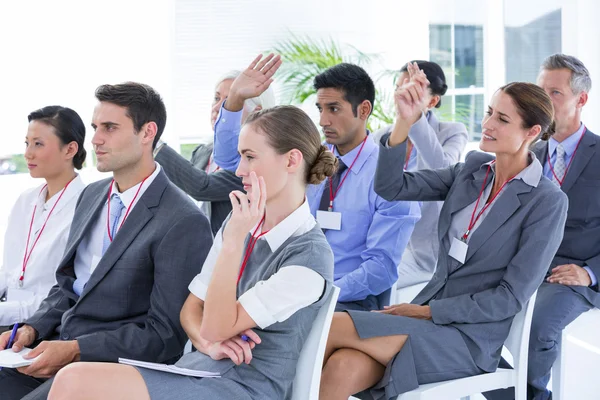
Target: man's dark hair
(143,104)
(352,80)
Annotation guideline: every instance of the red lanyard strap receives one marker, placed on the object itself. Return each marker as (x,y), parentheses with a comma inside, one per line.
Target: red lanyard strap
(560,181)
(128,208)
(331,193)
(474,219)
(251,242)
(28,252)
(409,148)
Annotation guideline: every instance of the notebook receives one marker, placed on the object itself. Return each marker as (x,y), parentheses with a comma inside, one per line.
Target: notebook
(10,359)
(170,369)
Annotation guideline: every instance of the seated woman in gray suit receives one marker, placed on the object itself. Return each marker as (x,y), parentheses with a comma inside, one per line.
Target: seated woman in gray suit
(243,317)
(430,144)
(501,223)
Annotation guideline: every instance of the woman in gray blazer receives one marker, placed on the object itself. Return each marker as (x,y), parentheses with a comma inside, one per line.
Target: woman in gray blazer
(431,144)
(501,223)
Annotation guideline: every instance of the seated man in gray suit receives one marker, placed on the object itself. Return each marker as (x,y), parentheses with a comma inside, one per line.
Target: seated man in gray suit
(135,244)
(201,178)
(572,161)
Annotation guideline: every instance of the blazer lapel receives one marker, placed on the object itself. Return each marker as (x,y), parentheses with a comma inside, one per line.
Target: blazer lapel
(139,217)
(464,194)
(581,158)
(540,149)
(503,209)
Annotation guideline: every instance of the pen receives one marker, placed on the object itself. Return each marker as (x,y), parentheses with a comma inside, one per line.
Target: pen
(12,336)
(245,338)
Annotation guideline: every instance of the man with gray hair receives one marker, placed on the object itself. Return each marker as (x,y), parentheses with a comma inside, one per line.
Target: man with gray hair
(571,160)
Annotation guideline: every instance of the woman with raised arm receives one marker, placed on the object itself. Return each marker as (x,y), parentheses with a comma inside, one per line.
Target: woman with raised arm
(269,271)
(501,223)
(39,223)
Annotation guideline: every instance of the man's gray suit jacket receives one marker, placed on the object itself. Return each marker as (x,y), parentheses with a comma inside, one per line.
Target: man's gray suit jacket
(130,306)
(581,241)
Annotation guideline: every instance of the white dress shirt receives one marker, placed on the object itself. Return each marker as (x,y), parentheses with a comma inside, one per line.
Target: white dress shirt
(89,251)
(40,273)
(285,292)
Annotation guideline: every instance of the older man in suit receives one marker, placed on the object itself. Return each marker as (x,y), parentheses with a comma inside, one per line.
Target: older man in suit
(135,244)
(572,161)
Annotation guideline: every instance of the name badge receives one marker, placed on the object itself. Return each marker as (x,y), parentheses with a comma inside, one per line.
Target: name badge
(14,294)
(329,219)
(458,250)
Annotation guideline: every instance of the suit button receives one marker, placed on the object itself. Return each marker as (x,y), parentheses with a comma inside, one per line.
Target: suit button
(64,336)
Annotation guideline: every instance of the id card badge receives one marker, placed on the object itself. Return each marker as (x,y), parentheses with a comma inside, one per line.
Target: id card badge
(15,294)
(458,250)
(95,261)
(329,219)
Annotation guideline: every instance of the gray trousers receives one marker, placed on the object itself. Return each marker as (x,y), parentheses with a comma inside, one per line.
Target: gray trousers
(16,386)
(556,307)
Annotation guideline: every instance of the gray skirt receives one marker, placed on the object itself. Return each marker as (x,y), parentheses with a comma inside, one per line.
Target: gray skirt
(165,386)
(432,353)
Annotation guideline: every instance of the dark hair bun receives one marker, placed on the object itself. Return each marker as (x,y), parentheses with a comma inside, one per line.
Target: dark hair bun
(324,166)
(549,132)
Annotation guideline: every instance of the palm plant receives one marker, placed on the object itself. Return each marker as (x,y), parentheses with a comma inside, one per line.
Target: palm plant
(304,58)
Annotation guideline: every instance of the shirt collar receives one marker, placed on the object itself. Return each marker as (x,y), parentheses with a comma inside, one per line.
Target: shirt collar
(301,221)
(531,174)
(349,157)
(128,196)
(569,144)
(73,189)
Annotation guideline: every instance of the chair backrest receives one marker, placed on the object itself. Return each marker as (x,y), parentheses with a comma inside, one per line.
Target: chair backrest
(517,342)
(310,363)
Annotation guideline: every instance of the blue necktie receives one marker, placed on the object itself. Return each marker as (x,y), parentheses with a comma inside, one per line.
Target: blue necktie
(116,208)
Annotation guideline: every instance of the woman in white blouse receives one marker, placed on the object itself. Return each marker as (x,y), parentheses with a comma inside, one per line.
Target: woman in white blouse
(40,220)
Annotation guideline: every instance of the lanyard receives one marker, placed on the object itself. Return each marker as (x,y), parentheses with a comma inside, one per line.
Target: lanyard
(560,181)
(27,255)
(331,194)
(207,169)
(251,242)
(128,208)
(409,148)
(474,219)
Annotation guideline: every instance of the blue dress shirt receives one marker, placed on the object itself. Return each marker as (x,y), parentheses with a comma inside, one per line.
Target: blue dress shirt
(375,232)
(570,146)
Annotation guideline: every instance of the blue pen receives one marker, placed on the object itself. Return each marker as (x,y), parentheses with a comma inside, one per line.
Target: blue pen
(11,339)
(12,336)
(245,338)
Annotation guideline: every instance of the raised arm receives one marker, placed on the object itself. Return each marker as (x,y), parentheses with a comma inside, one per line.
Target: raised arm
(393,183)
(431,154)
(252,82)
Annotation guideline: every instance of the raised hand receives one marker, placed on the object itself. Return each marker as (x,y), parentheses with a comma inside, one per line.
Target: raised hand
(410,96)
(253,81)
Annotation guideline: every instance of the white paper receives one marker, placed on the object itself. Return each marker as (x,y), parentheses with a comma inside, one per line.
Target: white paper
(458,250)
(16,294)
(170,368)
(10,359)
(329,219)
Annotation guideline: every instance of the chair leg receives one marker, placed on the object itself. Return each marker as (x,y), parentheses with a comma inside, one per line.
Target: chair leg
(558,371)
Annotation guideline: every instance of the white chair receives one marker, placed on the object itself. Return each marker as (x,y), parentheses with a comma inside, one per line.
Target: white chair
(586,321)
(310,363)
(517,344)
(408,293)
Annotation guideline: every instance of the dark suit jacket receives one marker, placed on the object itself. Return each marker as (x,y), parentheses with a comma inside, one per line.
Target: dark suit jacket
(581,242)
(130,306)
(201,155)
(508,253)
(214,187)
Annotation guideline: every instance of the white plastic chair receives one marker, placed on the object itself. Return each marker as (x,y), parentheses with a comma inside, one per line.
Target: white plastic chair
(517,344)
(559,366)
(308,371)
